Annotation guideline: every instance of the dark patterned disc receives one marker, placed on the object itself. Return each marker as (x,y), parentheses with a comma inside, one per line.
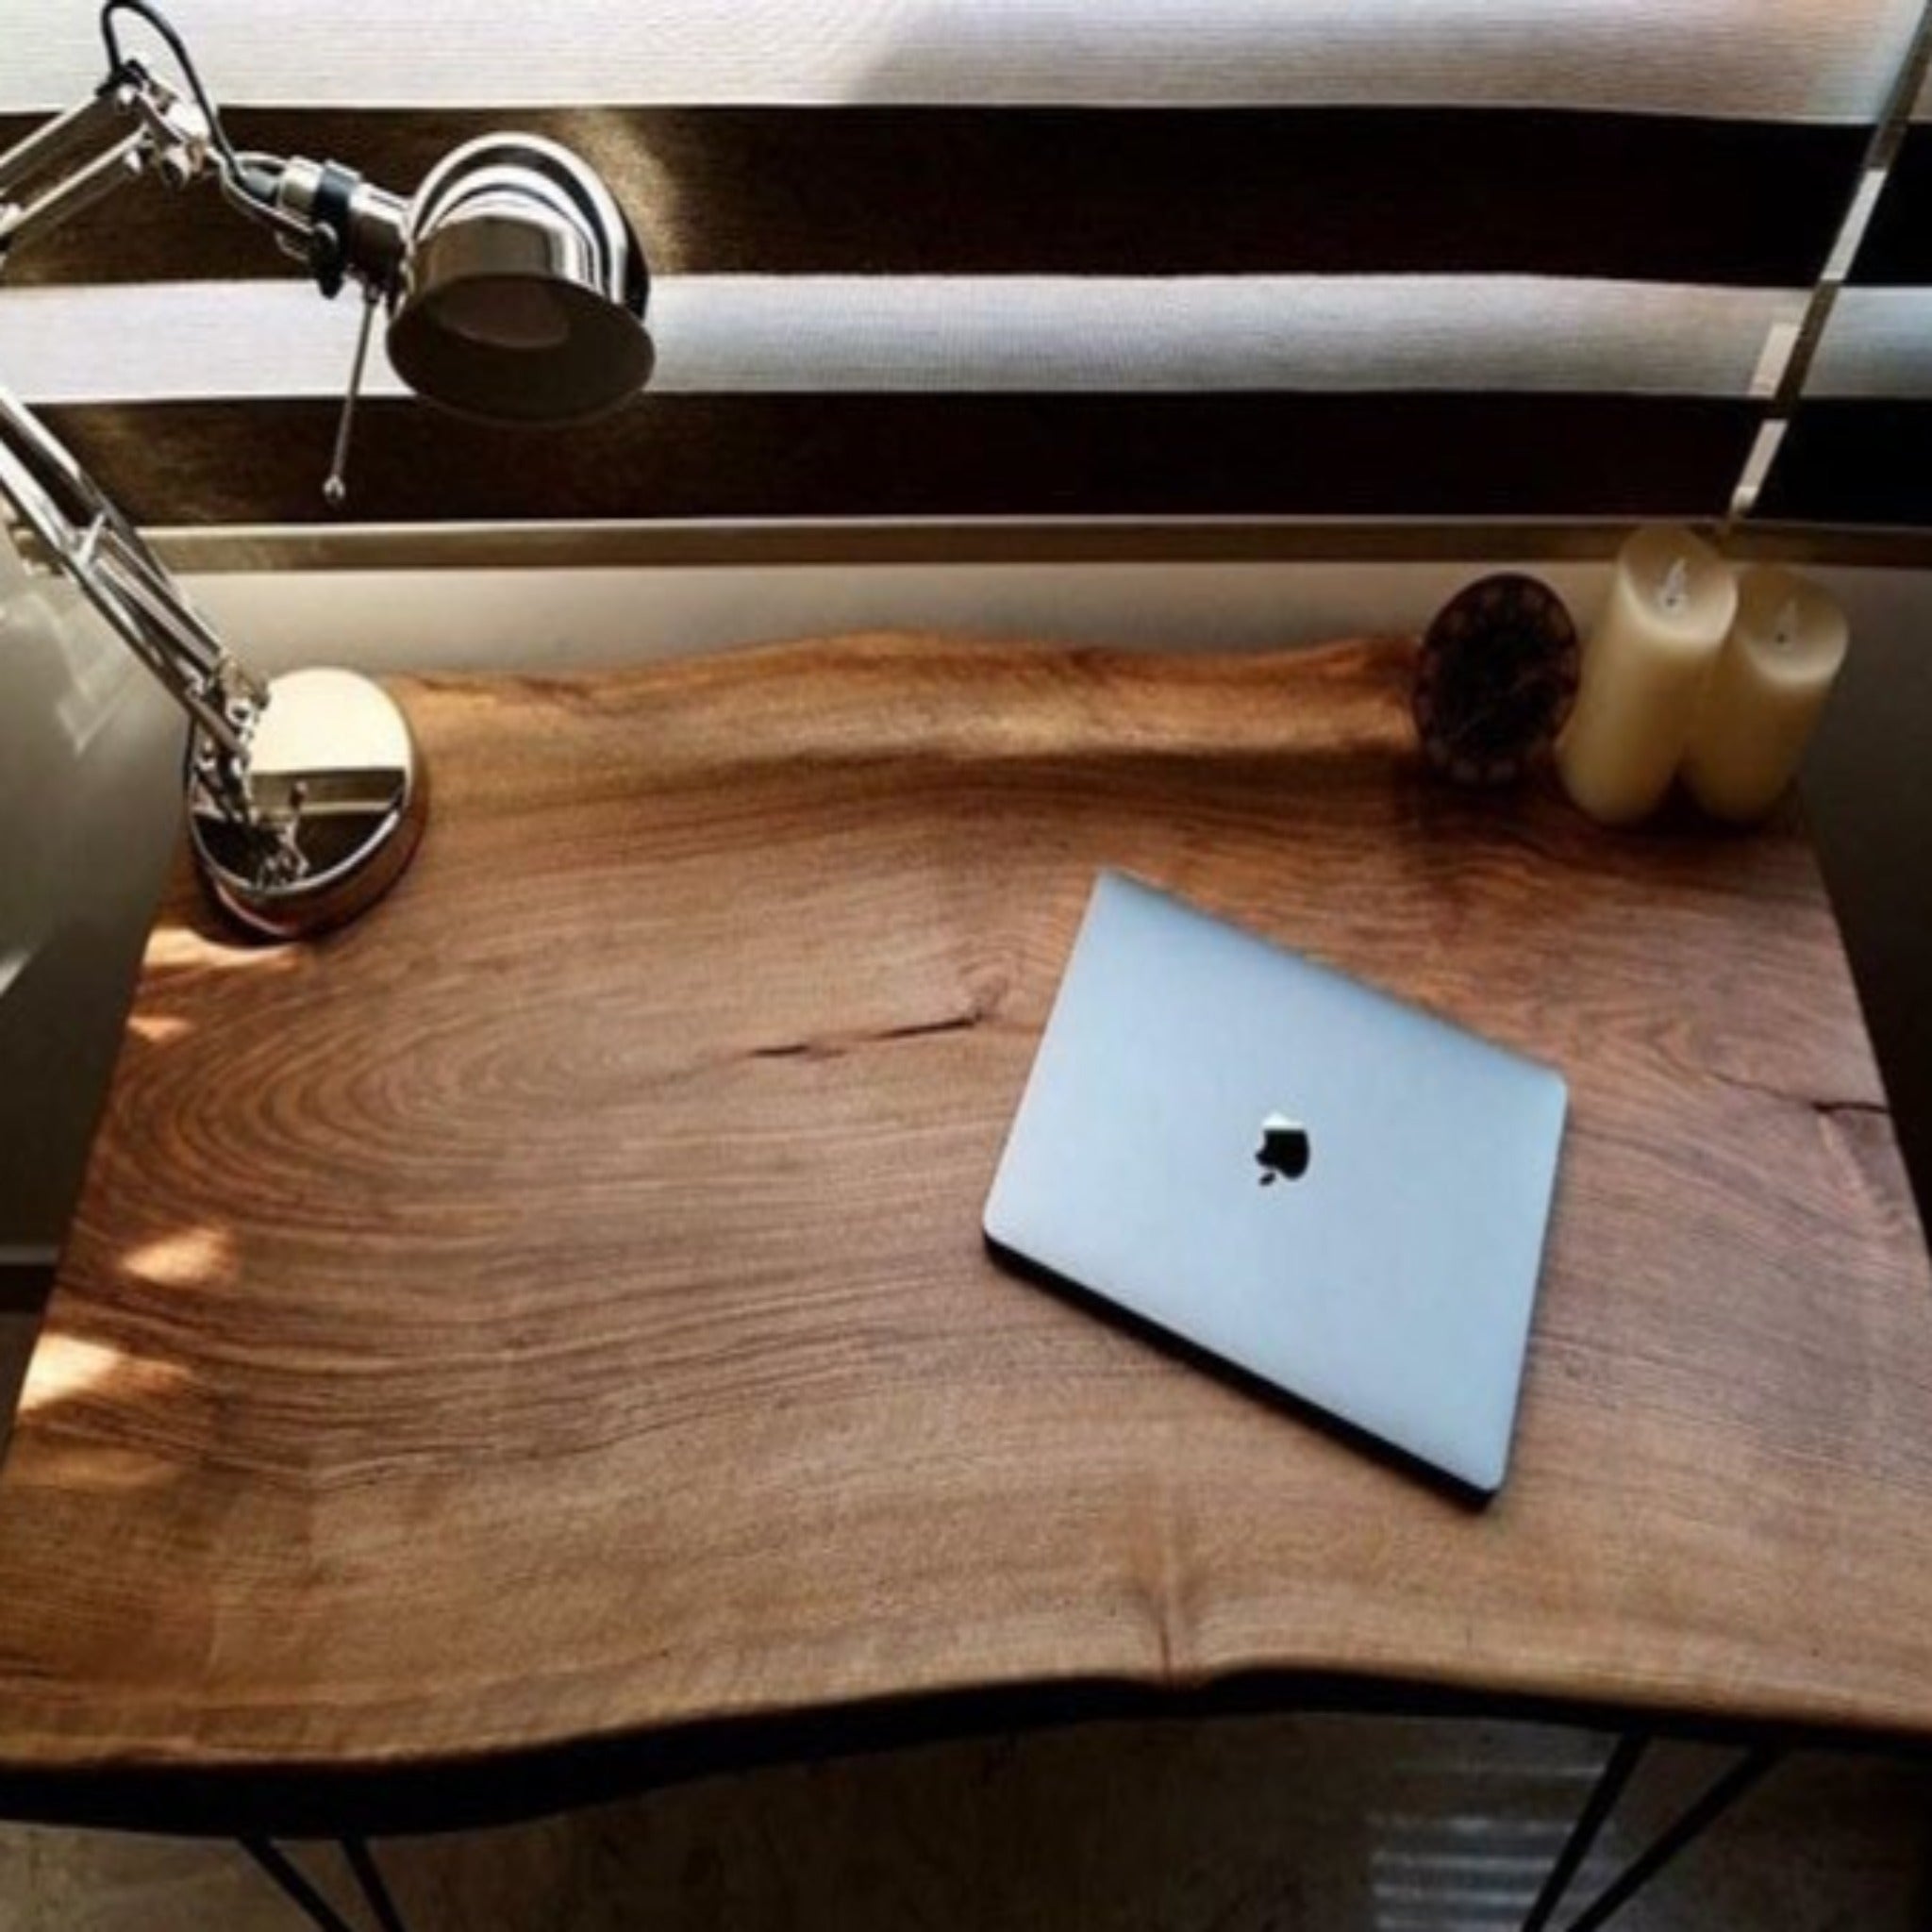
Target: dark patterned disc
(1495,679)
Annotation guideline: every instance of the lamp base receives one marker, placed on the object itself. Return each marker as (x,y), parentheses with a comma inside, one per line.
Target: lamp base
(341,796)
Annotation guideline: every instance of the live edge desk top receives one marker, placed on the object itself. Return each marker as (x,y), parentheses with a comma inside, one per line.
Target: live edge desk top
(547,1325)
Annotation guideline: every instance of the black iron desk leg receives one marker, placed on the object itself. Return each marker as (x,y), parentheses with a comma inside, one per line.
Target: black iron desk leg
(1623,1758)
(275,1862)
(1686,1828)
(319,1913)
(1690,1824)
(362,1863)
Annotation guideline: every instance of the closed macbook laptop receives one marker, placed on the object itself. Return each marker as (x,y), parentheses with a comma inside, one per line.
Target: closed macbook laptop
(1324,1186)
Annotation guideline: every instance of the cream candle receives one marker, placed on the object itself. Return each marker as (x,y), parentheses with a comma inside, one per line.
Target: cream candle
(1776,668)
(1671,602)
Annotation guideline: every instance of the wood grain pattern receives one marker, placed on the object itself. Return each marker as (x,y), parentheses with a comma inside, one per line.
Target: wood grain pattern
(555,1309)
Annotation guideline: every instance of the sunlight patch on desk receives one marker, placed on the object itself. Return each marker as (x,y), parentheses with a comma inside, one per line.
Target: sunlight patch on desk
(159,1029)
(180,948)
(195,1257)
(66,1367)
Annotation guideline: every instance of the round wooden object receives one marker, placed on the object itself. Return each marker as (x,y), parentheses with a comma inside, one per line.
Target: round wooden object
(1496,678)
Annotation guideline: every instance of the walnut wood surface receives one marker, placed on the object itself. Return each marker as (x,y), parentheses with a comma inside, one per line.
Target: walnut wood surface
(555,1308)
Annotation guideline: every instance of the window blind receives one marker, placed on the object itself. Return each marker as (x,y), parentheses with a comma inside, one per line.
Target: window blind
(1026,257)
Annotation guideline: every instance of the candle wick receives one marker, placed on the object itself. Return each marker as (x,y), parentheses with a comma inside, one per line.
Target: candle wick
(1676,584)
(1785,634)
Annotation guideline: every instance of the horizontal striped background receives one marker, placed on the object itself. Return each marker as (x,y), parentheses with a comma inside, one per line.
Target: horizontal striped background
(931,258)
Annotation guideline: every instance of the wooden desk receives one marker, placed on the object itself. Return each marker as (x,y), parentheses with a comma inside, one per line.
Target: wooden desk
(549,1322)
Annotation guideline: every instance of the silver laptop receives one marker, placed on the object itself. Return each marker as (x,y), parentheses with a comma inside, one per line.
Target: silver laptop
(1322,1186)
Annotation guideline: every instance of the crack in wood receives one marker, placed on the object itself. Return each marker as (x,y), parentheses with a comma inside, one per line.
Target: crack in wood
(1825,1106)
(836,1045)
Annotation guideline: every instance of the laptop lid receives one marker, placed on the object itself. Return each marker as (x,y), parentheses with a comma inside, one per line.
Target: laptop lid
(1330,1189)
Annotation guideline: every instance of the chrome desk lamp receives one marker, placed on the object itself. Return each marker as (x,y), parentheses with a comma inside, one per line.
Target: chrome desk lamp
(515,290)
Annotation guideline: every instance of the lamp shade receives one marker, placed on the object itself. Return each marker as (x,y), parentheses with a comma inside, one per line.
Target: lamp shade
(523,289)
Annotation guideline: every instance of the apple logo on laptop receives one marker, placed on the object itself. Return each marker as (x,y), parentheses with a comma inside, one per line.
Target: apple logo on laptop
(1283,1155)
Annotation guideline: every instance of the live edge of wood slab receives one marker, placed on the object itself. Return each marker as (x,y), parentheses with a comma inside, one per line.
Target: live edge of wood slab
(548,1323)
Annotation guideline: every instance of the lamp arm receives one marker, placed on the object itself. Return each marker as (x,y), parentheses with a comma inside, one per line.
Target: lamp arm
(101,123)
(133,126)
(307,794)
(87,535)
(263,838)
(113,565)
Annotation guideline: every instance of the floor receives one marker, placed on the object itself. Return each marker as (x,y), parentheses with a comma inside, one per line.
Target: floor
(1265,1825)
(1242,1825)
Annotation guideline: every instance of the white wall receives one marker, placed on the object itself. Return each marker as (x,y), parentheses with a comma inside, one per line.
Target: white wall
(510,619)
(552,619)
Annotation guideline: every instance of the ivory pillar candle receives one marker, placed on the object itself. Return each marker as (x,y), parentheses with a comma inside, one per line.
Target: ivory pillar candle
(1771,678)
(1671,602)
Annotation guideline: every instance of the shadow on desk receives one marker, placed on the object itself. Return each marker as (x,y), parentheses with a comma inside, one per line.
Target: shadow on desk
(1192,1357)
